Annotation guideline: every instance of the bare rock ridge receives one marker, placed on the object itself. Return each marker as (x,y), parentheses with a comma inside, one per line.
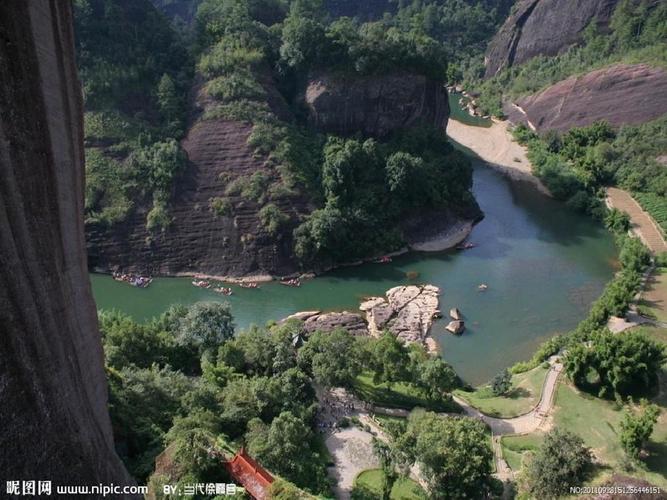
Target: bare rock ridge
(375,105)
(199,240)
(52,383)
(406,311)
(620,94)
(544,27)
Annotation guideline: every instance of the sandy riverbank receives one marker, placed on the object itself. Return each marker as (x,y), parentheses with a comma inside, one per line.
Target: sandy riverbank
(495,146)
(447,239)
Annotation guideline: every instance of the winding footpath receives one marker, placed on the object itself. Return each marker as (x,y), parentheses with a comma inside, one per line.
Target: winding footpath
(643,224)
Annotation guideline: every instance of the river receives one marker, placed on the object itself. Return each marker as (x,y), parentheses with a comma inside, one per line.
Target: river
(543,264)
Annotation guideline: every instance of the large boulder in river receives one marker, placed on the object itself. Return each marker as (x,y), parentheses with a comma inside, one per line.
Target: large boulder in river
(375,105)
(544,27)
(620,94)
(407,312)
(455,327)
(314,321)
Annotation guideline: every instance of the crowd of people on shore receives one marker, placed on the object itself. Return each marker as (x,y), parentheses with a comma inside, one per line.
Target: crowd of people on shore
(333,410)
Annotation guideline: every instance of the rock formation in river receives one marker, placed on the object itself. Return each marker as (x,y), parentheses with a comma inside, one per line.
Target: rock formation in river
(407,312)
(544,27)
(620,94)
(375,105)
(53,391)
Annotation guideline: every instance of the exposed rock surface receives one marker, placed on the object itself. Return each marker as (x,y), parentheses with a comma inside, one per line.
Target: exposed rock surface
(375,105)
(53,390)
(198,240)
(407,312)
(455,327)
(620,94)
(544,27)
(327,322)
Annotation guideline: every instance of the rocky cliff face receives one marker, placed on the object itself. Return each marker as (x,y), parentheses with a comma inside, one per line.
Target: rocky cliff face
(544,27)
(53,390)
(620,94)
(375,105)
(199,240)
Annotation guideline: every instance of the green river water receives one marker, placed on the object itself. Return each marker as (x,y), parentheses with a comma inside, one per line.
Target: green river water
(543,264)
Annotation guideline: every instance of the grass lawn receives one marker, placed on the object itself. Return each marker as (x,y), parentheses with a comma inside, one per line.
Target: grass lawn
(515,446)
(523,396)
(398,396)
(368,485)
(652,332)
(598,423)
(654,299)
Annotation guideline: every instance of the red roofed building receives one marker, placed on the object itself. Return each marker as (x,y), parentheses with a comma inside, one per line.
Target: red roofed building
(252,476)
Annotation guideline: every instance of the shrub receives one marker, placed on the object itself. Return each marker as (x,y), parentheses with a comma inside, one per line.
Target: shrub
(222,207)
(272,218)
(158,218)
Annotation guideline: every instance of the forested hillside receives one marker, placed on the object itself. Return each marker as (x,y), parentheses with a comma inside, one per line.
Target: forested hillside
(298,198)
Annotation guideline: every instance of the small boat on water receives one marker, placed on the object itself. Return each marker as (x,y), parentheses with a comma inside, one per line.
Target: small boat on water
(223,290)
(295,282)
(465,246)
(248,285)
(141,281)
(385,259)
(483,287)
(134,280)
(201,284)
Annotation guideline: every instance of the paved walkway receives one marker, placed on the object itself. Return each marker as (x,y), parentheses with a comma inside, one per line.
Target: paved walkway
(528,422)
(642,223)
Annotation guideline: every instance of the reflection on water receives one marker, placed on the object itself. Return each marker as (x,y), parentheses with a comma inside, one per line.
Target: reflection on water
(544,266)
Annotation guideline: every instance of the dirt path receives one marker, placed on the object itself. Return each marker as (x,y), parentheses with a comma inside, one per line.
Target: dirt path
(495,146)
(642,223)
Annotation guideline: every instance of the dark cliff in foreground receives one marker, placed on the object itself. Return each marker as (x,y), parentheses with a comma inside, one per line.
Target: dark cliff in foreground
(544,27)
(53,390)
(621,95)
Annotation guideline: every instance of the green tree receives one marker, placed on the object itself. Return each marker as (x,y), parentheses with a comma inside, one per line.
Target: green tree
(285,447)
(561,461)
(331,358)
(385,455)
(454,454)
(436,377)
(636,428)
(501,383)
(207,325)
(389,360)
